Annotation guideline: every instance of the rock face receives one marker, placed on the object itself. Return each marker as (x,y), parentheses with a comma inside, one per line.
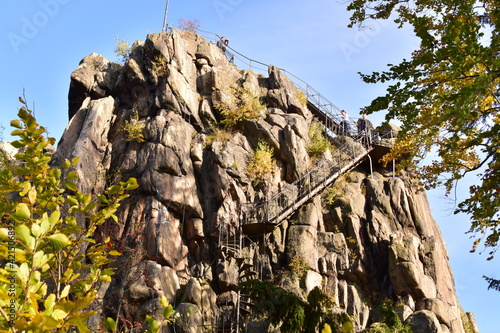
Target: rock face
(370,237)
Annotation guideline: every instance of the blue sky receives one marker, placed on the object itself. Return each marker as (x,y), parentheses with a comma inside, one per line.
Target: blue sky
(43,41)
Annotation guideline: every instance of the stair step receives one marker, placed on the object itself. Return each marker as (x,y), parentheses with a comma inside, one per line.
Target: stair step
(246,304)
(245,312)
(229,248)
(248,274)
(245,266)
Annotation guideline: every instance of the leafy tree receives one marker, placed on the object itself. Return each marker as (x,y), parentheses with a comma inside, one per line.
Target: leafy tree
(51,266)
(318,142)
(134,128)
(391,322)
(492,283)
(241,104)
(446,97)
(189,25)
(122,49)
(261,164)
(290,313)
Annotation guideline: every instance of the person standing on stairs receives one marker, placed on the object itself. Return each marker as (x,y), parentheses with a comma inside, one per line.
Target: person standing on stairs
(344,124)
(365,128)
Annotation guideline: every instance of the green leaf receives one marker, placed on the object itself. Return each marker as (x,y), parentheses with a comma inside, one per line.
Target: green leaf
(36,230)
(102,198)
(22,211)
(72,175)
(59,314)
(54,217)
(153,324)
(326,329)
(132,184)
(66,164)
(17,124)
(164,301)
(39,259)
(114,189)
(32,195)
(17,144)
(17,132)
(347,327)
(26,188)
(59,241)
(168,311)
(24,235)
(71,186)
(110,324)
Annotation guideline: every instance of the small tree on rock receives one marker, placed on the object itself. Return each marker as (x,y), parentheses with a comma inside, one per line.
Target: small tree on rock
(48,282)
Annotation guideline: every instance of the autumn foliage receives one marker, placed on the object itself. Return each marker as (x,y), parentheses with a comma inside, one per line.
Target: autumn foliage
(446,97)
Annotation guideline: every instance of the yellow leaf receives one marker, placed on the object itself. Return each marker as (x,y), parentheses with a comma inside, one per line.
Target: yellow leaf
(326,329)
(65,292)
(49,303)
(32,195)
(59,314)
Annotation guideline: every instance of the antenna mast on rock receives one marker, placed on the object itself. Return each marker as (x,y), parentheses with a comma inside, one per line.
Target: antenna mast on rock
(165,24)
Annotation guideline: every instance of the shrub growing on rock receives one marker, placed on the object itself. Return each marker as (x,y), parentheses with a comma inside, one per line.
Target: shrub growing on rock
(262,164)
(52,263)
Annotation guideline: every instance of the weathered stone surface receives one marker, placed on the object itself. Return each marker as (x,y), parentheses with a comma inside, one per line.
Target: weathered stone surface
(180,232)
(192,294)
(189,319)
(424,321)
(194,228)
(312,280)
(94,77)
(150,280)
(302,244)
(404,307)
(86,139)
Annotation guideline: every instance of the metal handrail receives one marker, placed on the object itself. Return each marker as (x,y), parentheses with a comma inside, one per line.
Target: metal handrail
(280,205)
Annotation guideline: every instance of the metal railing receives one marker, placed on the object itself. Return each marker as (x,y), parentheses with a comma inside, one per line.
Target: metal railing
(356,146)
(282,204)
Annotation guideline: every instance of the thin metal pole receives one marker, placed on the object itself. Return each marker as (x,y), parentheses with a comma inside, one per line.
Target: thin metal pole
(371,166)
(165,25)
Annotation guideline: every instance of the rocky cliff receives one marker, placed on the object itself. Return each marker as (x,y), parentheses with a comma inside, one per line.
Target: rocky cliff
(367,237)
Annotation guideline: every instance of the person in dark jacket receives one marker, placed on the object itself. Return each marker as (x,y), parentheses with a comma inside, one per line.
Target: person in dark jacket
(222,43)
(365,127)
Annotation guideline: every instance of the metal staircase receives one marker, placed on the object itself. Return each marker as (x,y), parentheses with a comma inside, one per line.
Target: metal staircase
(262,217)
(231,314)
(352,149)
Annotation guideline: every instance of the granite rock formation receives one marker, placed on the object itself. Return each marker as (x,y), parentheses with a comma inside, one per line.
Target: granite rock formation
(370,237)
